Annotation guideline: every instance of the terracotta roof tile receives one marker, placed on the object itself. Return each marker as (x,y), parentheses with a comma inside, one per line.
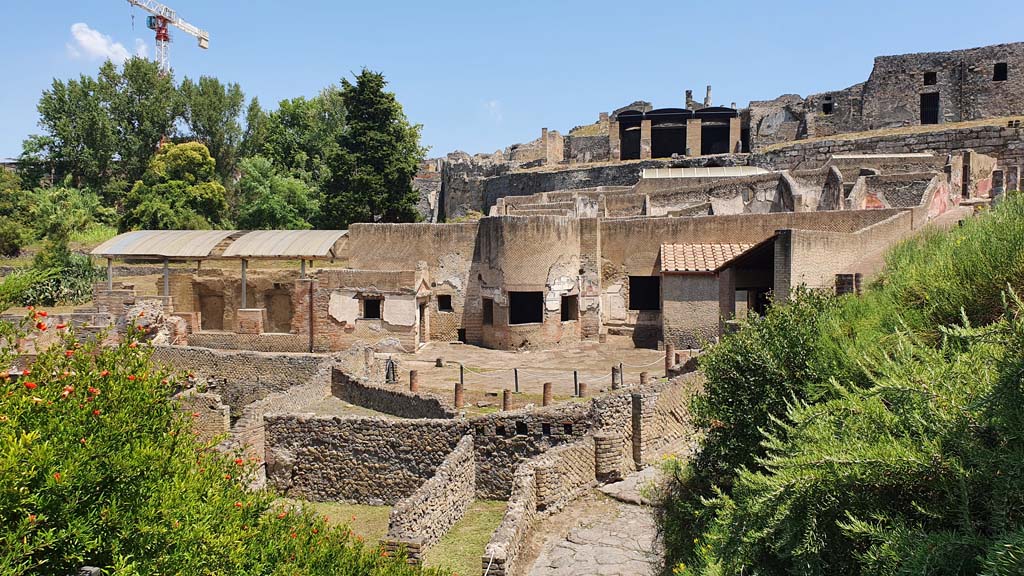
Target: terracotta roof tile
(699,257)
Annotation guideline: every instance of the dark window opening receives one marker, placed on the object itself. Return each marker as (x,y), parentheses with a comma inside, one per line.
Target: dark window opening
(460,335)
(1000,72)
(570,308)
(567,429)
(545,429)
(371,308)
(668,140)
(930,79)
(499,430)
(444,303)
(525,307)
(930,108)
(521,428)
(488,306)
(826,108)
(645,292)
(714,137)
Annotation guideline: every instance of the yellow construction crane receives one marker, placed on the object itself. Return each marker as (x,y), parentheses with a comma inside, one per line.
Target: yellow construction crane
(161,17)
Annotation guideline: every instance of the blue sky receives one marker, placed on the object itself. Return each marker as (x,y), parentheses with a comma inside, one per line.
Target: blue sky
(482,75)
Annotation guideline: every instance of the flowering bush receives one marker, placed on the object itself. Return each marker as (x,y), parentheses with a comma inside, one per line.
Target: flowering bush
(99,467)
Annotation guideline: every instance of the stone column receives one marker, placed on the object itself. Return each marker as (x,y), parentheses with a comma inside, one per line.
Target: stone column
(643,378)
(459,395)
(614,143)
(616,378)
(547,394)
(583,389)
(645,139)
(607,456)
(414,381)
(506,400)
(670,356)
(693,138)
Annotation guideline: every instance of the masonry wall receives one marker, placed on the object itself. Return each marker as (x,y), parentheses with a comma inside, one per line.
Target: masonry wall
(419,521)
(689,309)
(240,377)
(1005,144)
(448,251)
(211,419)
(389,400)
(364,460)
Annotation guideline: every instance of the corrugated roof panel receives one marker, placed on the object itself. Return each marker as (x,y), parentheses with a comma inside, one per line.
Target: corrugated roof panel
(285,244)
(171,244)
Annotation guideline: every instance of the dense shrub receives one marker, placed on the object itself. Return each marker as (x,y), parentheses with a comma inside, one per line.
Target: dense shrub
(871,435)
(13,238)
(99,467)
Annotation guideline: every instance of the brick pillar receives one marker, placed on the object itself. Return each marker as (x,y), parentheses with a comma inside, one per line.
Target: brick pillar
(670,356)
(614,143)
(783,273)
(506,400)
(726,298)
(459,395)
(616,378)
(735,141)
(583,389)
(607,456)
(547,394)
(645,139)
(693,136)
(414,381)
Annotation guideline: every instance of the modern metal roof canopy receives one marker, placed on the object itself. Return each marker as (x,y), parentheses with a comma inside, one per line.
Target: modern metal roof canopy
(163,244)
(222,244)
(312,244)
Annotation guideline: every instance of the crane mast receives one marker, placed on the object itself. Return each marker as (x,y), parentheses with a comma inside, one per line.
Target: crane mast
(162,16)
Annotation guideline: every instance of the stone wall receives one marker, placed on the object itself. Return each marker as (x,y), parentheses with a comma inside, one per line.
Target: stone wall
(419,521)
(364,460)
(391,400)
(1005,144)
(585,149)
(211,419)
(689,309)
(240,377)
(267,342)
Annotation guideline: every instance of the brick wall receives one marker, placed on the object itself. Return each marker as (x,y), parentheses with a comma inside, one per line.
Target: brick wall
(211,419)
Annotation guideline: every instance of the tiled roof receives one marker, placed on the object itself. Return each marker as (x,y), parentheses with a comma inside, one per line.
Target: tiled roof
(699,257)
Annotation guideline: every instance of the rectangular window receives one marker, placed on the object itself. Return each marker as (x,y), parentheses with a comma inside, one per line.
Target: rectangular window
(444,303)
(1000,72)
(826,108)
(645,292)
(930,79)
(488,311)
(570,308)
(525,307)
(371,308)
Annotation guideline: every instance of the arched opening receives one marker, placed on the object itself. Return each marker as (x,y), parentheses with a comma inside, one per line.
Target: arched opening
(629,134)
(668,131)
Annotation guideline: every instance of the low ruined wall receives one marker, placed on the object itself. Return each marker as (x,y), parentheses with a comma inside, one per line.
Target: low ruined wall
(240,377)
(274,342)
(394,401)
(211,418)
(503,552)
(420,520)
(364,460)
(1006,144)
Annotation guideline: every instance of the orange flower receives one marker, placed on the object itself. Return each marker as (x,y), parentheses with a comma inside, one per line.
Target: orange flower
(96,412)
(61,326)
(69,353)
(68,391)
(56,476)
(105,373)
(31,385)
(42,313)
(238,504)
(133,345)
(282,515)
(82,440)
(41,326)
(131,377)
(227,476)
(294,534)
(32,518)
(26,372)
(94,391)
(239,461)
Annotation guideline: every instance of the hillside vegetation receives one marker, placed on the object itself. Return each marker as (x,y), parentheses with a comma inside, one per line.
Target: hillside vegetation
(879,434)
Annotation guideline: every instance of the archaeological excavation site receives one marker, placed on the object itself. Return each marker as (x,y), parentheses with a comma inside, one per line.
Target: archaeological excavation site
(535,339)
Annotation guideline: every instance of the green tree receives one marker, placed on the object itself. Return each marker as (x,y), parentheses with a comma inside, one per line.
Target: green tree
(102,128)
(371,176)
(268,200)
(180,190)
(211,114)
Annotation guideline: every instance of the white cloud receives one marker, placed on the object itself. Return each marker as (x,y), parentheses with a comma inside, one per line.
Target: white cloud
(89,44)
(493,108)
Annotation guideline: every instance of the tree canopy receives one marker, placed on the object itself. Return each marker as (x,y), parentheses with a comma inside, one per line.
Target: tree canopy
(178,191)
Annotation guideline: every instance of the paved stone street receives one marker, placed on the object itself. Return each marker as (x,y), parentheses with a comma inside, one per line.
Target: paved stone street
(601,536)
